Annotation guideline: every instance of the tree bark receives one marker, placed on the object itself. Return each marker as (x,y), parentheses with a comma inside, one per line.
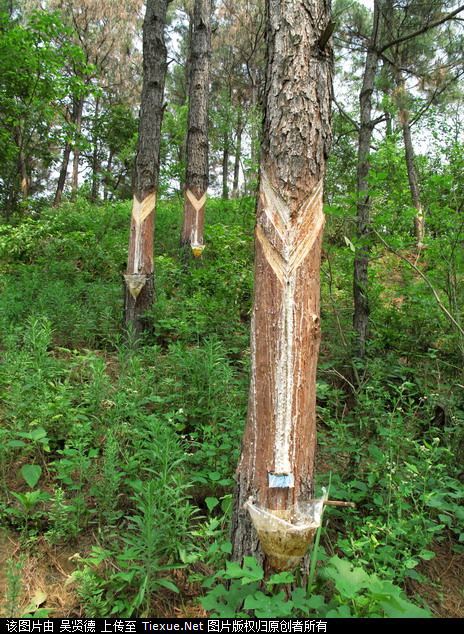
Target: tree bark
(62,176)
(361,260)
(139,283)
(280,435)
(95,157)
(196,178)
(225,167)
(238,154)
(76,152)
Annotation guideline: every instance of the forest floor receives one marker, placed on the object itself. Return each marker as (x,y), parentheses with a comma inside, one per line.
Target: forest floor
(94,414)
(46,575)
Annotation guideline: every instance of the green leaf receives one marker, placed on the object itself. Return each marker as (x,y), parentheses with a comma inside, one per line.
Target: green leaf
(31,474)
(349,244)
(15,444)
(281,577)
(249,573)
(426,554)
(266,607)
(397,607)
(348,580)
(342,612)
(411,562)
(169,585)
(211,503)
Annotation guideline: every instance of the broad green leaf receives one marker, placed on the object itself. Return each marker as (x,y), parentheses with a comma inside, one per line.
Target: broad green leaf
(31,474)
(211,503)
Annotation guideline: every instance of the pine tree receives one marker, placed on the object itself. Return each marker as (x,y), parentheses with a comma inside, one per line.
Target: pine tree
(277,461)
(139,274)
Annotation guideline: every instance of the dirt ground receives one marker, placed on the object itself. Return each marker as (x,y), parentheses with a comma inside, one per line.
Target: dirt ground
(444,592)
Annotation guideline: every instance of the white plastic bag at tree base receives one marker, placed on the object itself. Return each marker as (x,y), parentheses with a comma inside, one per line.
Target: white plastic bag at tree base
(285,535)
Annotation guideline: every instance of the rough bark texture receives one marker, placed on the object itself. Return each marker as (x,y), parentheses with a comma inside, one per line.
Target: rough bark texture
(196,179)
(280,435)
(361,261)
(139,275)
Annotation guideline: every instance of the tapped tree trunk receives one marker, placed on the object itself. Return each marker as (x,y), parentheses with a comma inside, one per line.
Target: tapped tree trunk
(196,180)
(280,436)
(139,283)
(361,260)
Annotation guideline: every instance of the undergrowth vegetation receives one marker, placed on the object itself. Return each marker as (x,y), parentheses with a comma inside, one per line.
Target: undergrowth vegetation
(125,450)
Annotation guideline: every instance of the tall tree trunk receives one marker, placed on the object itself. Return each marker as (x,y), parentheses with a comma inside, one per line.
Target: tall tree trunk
(76,152)
(95,156)
(25,180)
(361,260)
(62,176)
(139,281)
(280,437)
(187,74)
(66,155)
(109,167)
(225,167)
(196,176)
(238,154)
(419,221)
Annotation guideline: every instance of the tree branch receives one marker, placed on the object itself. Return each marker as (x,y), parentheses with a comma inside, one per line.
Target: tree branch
(346,115)
(426,280)
(423,29)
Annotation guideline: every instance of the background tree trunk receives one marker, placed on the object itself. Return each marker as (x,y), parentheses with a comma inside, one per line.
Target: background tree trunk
(196,179)
(62,176)
(76,150)
(238,154)
(139,288)
(225,167)
(280,435)
(419,221)
(361,260)
(95,154)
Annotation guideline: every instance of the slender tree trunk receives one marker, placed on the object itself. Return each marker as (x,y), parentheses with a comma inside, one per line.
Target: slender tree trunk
(280,437)
(419,221)
(76,151)
(196,179)
(24,178)
(95,156)
(139,281)
(65,161)
(361,260)
(62,176)
(187,75)
(109,167)
(238,154)
(225,167)
(24,175)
